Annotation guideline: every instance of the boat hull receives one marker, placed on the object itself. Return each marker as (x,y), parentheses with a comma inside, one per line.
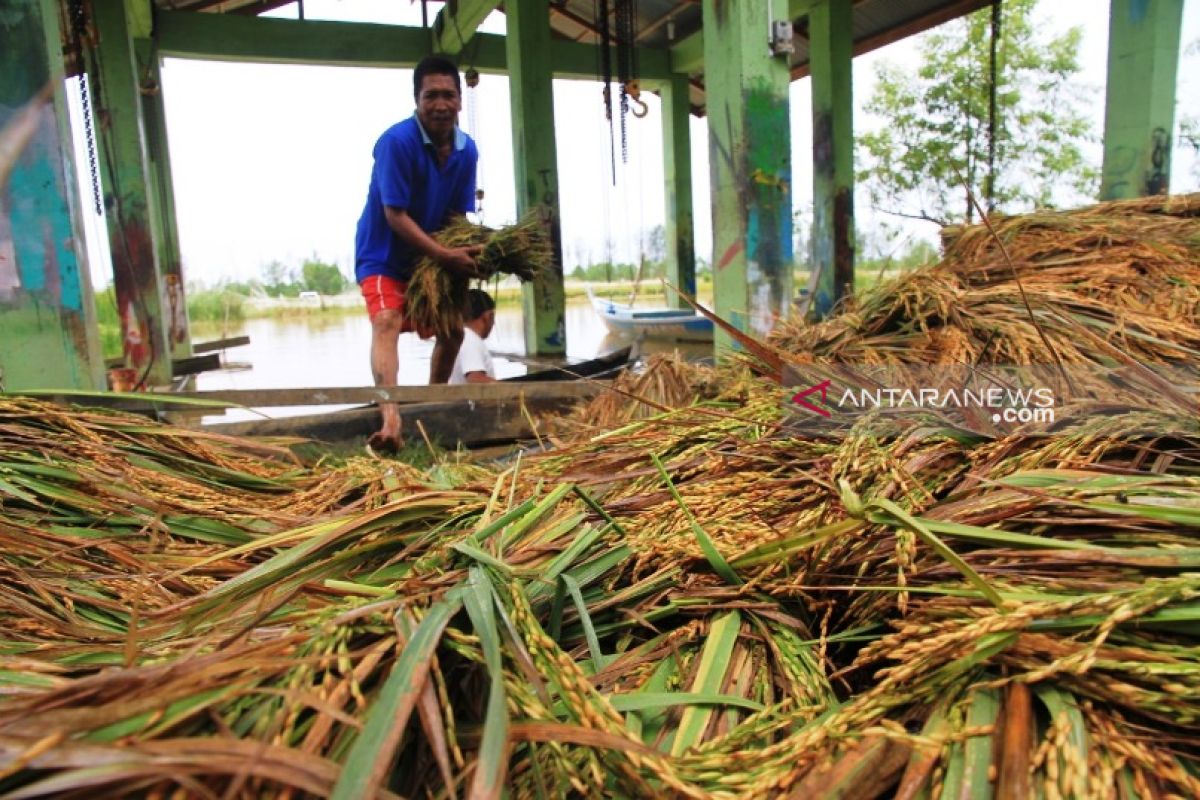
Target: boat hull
(663,324)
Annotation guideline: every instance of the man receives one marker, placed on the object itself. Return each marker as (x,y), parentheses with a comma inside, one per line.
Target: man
(474,363)
(424,175)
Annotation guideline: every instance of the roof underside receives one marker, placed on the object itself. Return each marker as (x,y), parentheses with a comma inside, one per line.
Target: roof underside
(662,24)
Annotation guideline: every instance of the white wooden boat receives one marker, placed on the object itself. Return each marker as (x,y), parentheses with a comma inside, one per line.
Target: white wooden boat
(682,325)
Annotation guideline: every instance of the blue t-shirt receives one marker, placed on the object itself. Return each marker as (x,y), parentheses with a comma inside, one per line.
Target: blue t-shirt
(407,176)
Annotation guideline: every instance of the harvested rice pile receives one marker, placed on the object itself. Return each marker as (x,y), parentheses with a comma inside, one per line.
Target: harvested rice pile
(690,600)
(1122,274)
(436,298)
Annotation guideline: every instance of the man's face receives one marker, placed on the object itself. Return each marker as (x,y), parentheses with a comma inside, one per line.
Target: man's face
(438,104)
(489,322)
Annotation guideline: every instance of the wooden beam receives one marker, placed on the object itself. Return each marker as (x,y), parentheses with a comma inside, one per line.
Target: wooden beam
(344,395)
(220,344)
(194,364)
(457,22)
(227,37)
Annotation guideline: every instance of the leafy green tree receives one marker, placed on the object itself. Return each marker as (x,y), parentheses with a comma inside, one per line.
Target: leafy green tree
(276,278)
(318,276)
(936,130)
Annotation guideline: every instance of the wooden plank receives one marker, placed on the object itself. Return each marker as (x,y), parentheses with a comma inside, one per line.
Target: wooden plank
(220,344)
(450,424)
(194,364)
(355,395)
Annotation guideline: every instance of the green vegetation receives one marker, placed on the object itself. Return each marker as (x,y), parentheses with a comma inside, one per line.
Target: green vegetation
(313,275)
(937,131)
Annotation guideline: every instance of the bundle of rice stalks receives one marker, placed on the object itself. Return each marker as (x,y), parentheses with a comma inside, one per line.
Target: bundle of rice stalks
(437,298)
(663,382)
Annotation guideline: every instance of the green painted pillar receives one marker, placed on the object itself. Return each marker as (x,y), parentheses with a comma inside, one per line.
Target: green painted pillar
(1139,116)
(750,165)
(126,177)
(830,54)
(163,227)
(48,336)
(527,47)
(677,166)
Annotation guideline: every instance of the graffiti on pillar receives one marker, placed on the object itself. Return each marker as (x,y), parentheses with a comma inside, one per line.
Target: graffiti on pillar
(176,308)
(765,182)
(137,337)
(1120,163)
(1158,180)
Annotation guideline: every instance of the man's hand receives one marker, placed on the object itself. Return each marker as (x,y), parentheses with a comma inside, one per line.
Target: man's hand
(461,260)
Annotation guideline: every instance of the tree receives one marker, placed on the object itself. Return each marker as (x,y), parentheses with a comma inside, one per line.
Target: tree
(320,277)
(656,244)
(936,129)
(276,278)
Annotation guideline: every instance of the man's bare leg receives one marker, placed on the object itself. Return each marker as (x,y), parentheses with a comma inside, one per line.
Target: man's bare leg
(441,363)
(385,369)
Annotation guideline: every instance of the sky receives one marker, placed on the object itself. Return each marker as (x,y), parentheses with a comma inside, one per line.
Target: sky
(271,162)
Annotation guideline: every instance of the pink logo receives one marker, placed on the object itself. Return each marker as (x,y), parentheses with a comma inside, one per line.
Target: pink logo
(823,388)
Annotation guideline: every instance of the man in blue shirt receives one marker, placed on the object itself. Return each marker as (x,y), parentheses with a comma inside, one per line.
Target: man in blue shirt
(424,175)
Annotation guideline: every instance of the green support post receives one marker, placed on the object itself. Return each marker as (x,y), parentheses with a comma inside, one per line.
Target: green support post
(750,165)
(535,163)
(830,54)
(48,335)
(457,22)
(162,190)
(125,175)
(677,164)
(1139,116)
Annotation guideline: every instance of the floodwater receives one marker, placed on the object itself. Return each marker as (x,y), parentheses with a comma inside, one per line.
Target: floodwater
(333,350)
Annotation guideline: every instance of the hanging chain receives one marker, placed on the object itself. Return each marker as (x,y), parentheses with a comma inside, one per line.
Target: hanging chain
(89,136)
(471,77)
(626,34)
(79,30)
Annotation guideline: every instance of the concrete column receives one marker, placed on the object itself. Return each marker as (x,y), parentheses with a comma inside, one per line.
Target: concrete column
(126,177)
(527,47)
(830,54)
(677,166)
(750,165)
(1139,115)
(164,227)
(48,336)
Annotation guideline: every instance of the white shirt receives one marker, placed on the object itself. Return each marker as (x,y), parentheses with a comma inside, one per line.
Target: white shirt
(473,356)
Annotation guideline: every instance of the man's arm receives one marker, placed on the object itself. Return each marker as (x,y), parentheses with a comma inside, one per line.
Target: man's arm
(459,260)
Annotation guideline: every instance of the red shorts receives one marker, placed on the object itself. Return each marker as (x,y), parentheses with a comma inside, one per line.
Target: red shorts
(382,292)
